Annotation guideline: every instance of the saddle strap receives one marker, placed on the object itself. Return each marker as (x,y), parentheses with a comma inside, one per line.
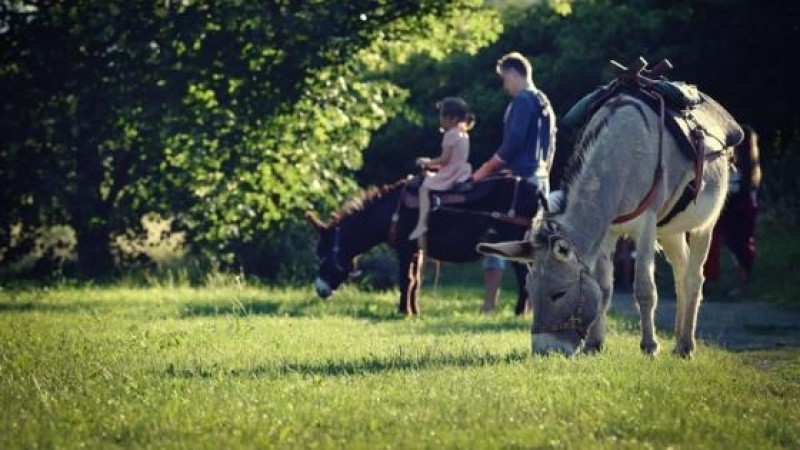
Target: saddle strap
(494,215)
(659,173)
(512,209)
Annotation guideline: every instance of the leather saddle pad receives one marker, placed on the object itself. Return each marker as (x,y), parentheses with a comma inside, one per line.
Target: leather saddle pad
(459,196)
(681,100)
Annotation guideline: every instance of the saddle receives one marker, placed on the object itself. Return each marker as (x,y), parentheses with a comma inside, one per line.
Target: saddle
(462,193)
(518,204)
(700,125)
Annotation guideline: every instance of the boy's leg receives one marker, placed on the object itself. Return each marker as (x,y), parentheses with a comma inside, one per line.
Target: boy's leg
(492,279)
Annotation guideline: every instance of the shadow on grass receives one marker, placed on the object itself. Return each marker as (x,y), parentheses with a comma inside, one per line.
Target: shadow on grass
(307,308)
(458,326)
(771,330)
(367,366)
(23,307)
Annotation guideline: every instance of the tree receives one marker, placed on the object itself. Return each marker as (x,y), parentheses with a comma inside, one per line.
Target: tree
(226,115)
(734,50)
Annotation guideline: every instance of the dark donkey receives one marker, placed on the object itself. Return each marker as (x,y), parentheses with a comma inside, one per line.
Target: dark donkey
(494,210)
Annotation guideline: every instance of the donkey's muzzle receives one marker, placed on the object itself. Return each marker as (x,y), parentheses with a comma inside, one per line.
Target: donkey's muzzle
(323,288)
(547,343)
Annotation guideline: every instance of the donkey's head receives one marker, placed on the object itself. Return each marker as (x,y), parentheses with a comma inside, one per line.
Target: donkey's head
(565,297)
(336,264)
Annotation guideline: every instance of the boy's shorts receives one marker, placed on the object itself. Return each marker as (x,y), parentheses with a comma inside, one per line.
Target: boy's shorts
(494,262)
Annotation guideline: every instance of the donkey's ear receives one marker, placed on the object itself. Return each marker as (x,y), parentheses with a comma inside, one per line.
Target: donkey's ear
(521,251)
(314,220)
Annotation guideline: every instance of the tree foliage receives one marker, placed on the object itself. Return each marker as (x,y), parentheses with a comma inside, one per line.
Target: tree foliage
(734,50)
(229,116)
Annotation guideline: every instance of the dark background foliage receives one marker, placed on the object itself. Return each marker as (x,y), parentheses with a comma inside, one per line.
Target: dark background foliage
(230,118)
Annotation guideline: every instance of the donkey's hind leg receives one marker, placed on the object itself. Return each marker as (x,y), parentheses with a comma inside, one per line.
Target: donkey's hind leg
(677,251)
(645,286)
(699,242)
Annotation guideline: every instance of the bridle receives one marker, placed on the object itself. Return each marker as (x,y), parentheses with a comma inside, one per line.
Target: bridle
(573,322)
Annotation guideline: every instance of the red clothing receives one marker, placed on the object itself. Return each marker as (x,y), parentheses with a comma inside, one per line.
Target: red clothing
(736,228)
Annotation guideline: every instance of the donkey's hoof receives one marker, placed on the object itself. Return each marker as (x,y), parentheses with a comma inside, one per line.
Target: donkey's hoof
(684,349)
(649,348)
(593,347)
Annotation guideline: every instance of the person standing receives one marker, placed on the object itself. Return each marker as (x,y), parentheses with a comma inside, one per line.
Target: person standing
(527,149)
(736,226)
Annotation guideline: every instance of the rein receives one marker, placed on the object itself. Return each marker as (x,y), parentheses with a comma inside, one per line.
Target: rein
(336,249)
(392,238)
(496,215)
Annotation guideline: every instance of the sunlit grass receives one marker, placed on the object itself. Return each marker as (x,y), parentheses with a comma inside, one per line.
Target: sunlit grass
(242,366)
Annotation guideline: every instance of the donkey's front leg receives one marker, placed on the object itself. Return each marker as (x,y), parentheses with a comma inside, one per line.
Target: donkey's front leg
(604,274)
(699,242)
(521,273)
(415,277)
(644,287)
(407,288)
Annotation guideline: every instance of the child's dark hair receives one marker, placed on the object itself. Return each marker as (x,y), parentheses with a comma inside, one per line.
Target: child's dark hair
(457,108)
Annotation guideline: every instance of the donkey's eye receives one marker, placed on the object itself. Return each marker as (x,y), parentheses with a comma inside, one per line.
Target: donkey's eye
(558,296)
(561,249)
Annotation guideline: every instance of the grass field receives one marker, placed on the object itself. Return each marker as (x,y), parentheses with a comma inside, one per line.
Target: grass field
(238,366)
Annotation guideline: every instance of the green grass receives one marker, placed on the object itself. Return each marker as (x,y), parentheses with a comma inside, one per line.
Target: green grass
(239,366)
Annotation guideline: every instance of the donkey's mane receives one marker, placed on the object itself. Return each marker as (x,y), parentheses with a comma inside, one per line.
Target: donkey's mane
(589,135)
(363,200)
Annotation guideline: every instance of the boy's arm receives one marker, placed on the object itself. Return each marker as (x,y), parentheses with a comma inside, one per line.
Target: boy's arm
(489,167)
(519,119)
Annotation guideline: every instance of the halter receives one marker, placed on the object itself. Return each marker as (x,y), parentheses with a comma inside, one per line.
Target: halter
(573,322)
(392,237)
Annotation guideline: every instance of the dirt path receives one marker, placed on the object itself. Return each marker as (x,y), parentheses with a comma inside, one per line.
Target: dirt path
(735,325)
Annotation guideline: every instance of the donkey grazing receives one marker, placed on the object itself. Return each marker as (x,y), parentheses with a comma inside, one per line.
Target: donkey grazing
(629,177)
(494,210)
